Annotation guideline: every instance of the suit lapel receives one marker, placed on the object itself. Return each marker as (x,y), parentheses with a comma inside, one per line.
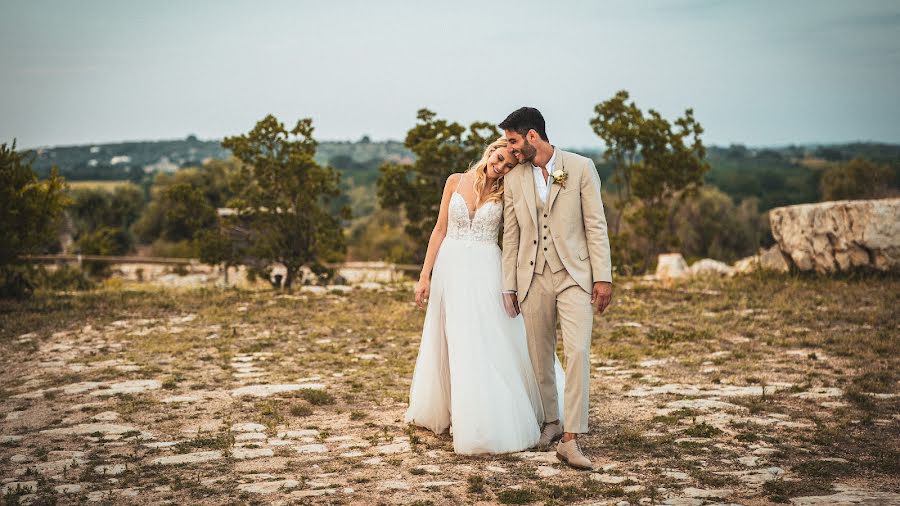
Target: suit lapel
(528,191)
(554,188)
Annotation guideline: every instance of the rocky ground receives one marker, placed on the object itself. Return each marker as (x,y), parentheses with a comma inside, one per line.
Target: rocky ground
(751,390)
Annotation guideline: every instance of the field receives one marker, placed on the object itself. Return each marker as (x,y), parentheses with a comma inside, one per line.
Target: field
(96,185)
(751,390)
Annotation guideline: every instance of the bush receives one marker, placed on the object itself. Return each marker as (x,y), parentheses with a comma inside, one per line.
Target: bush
(30,211)
(170,249)
(858,179)
(15,282)
(106,241)
(65,277)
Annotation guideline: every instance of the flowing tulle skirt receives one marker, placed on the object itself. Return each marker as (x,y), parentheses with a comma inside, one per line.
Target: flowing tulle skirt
(473,368)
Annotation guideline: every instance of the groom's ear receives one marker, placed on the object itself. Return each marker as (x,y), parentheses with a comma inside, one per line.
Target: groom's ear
(532,136)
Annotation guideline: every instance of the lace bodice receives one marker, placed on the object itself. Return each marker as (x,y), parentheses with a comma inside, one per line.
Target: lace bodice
(484,225)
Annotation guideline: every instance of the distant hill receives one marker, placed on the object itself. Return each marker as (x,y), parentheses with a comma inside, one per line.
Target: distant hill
(134,160)
(775,175)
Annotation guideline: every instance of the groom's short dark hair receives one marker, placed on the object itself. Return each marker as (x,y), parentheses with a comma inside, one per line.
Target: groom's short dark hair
(524,119)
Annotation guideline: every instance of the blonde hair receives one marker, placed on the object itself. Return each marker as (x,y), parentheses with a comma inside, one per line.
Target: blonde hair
(478,168)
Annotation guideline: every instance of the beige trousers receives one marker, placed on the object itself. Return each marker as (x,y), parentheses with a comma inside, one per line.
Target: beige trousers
(553,294)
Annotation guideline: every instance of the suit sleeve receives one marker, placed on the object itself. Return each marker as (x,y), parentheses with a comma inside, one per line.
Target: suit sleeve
(510,240)
(595,225)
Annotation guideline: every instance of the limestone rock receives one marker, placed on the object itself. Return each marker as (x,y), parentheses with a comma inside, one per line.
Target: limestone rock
(251,453)
(110,469)
(438,484)
(91,428)
(745,265)
(129,387)
(268,487)
(267,390)
(248,427)
(390,449)
(394,485)
(19,486)
(773,259)
(314,448)
(671,265)
(188,458)
(840,235)
(710,267)
(706,493)
(547,471)
(849,495)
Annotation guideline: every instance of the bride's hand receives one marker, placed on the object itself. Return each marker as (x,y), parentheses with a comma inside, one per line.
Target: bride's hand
(422,290)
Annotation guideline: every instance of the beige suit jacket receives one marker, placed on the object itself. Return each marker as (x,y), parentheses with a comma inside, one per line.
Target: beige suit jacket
(576,220)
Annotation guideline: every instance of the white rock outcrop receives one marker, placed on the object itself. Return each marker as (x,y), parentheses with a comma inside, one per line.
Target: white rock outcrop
(841,235)
(671,265)
(708,266)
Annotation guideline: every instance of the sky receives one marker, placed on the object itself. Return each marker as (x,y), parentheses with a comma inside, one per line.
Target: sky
(754,72)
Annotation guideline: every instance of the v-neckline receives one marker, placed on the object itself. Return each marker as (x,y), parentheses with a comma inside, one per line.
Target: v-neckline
(472,213)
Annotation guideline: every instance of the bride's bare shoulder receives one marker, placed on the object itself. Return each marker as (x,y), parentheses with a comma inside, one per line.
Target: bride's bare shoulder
(453,180)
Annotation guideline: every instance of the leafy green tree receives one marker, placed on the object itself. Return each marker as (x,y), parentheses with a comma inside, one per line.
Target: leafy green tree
(380,236)
(654,162)
(858,179)
(216,247)
(92,209)
(212,183)
(441,148)
(106,241)
(30,211)
(186,212)
(177,213)
(282,195)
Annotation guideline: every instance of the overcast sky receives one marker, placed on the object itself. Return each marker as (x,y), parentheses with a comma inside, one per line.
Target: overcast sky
(755,72)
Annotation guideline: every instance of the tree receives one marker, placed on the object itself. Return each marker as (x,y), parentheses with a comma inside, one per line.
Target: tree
(185,212)
(858,179)
(30,211)
(185,202)
(106,241)
(654,161)
(94,208)
(709,225)
(216,247)
(282,193)
(441,148)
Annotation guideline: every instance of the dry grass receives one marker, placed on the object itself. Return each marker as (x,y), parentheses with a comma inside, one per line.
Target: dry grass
(759,331)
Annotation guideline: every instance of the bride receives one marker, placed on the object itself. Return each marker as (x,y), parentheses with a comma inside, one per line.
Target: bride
(473,370)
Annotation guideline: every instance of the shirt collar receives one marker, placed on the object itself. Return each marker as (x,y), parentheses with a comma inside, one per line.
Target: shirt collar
(550,163)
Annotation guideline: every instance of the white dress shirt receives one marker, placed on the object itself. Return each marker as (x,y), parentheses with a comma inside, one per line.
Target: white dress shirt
(543,187)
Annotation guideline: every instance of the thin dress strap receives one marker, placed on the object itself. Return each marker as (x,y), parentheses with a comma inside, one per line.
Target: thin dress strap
(459,181)
(466,202)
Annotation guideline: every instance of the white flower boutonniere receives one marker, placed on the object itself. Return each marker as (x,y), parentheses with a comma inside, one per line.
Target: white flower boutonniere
(559,177)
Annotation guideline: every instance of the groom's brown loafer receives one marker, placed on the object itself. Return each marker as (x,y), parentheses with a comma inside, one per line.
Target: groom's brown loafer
(549,434)
(570,453)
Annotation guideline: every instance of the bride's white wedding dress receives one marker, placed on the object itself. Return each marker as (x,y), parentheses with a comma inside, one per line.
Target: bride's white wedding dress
(473,370)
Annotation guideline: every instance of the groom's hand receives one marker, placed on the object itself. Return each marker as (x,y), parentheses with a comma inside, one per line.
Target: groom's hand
(511,304)
(602,295)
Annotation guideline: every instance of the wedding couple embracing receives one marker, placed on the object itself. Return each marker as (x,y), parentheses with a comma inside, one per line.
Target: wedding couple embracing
(487,368)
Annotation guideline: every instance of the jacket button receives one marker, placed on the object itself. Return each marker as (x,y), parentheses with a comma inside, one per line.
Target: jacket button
(545,238)
(545,249)
(545,216)
(545,226)
(535,241)
(532,262)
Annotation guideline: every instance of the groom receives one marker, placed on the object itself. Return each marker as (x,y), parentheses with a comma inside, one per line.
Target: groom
(555,262)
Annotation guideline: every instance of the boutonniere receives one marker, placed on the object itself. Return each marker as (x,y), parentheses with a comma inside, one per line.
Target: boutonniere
(560,176)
